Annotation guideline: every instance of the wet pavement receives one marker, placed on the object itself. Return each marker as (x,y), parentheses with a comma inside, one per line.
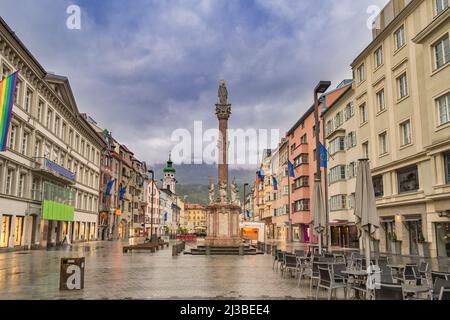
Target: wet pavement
(110,274)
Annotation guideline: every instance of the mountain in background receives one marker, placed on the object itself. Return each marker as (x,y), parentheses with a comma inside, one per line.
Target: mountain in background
(193,180)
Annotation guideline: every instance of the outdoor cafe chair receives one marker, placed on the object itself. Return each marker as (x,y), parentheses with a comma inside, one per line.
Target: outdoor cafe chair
(410,273)
(385,291)
(337,272)
(444,294)
(303,266)
(327,281)
(422,272)
(339,258)
(279,259)
(314,274)
(289,264)
(299,253)
(438,285)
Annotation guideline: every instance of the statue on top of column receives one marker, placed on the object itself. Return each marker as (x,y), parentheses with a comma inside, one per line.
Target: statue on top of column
(234,193)
(223,93)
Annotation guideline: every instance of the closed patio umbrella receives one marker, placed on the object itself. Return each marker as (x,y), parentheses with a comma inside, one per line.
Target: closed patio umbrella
(365,206)
(318,211)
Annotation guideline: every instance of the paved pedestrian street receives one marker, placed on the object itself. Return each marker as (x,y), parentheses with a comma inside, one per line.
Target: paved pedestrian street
(110,274)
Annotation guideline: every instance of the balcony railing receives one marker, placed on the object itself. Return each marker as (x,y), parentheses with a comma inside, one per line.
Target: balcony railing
(53,170)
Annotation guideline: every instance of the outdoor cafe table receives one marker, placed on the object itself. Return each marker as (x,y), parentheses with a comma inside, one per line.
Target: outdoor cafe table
(398,267)
(358,276)
(415,290)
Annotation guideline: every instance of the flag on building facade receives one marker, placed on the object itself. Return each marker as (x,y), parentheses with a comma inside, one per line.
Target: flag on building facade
(109,186)
(122,192)
(323,156)
(261,175)
(275,183)
(291,169)
(7,90)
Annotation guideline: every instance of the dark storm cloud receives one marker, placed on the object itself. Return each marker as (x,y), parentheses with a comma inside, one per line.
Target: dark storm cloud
(145,68)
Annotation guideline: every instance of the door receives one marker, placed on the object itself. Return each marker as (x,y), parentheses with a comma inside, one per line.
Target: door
(414,229)
(5,231)
(18,232)
(388,232)
(443,239)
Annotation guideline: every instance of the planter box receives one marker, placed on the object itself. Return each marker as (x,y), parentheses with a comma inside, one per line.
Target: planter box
(396,247)
(424,249)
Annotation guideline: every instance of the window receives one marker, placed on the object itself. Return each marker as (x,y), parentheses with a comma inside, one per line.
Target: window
(351,201)
(405,132)
(88,152)
(442,52)
(37,149)
(77,142)
(6,71)
(301,205)
(337,145)
(57,126)
(62,158)
(63,132)
(443,105)
(17,93)
(304,139)
(351,140)
(301,159)
(338,202)
(9,181)
(400,38)
(338,120)
(39,110)
(378,55)
(49,119)
(447,167)
(35,194)
(12,137)
(441,5)
(365,150)
(82,150)
(378,186)
(361,73)
(363,114)
(408,179)
(329,128)
(21,185)
(301,182)
(70,137)
(314,131)
(402,82)
(352,170)
(337,174)
(85,204)
(349,111)
(383,143)
(28,100)
(24,146)
(381,104)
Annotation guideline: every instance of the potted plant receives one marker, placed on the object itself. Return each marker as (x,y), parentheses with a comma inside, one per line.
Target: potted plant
(423,245)
(396,244)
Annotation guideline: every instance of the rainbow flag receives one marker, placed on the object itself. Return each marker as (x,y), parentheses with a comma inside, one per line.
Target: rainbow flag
(7,89)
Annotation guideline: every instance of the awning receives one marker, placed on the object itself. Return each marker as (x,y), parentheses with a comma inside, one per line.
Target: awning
(412,218)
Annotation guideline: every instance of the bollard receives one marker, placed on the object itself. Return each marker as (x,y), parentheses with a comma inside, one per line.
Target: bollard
(208,250)
(71,275)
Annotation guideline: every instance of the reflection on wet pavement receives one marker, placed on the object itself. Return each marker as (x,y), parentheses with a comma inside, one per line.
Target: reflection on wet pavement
(110,274)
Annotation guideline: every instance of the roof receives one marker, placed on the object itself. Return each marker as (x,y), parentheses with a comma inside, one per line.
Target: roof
(169,166)
(330,98)
(348,88)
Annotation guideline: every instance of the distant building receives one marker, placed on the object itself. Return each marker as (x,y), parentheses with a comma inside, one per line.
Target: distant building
(196,217)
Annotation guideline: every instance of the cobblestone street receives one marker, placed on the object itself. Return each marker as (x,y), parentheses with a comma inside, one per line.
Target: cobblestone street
(110,274)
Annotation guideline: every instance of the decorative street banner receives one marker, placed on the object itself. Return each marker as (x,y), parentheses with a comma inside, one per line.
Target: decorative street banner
(7,90)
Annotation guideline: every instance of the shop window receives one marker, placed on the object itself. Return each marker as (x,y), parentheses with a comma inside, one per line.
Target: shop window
(378,186)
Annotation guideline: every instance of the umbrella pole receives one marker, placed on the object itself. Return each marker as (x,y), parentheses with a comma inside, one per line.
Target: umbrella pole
(367,247)
(320,243)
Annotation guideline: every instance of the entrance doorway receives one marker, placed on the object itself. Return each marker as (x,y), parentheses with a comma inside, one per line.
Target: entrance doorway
(18,232)
(388,226)
(344,236)
(443,239)
(414,227)
(5,231)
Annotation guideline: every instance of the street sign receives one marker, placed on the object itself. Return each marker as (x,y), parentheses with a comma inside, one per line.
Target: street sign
(72,274)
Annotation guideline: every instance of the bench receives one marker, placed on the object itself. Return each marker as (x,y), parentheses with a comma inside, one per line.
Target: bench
(145,246)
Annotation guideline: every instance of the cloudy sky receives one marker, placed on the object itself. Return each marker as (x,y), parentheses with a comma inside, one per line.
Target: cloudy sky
(144,68)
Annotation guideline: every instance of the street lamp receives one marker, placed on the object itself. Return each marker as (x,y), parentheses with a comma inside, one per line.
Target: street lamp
(151,206)
(321,88)
(245,200)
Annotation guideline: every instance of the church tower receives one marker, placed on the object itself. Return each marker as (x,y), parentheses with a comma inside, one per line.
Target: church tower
(169,180)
